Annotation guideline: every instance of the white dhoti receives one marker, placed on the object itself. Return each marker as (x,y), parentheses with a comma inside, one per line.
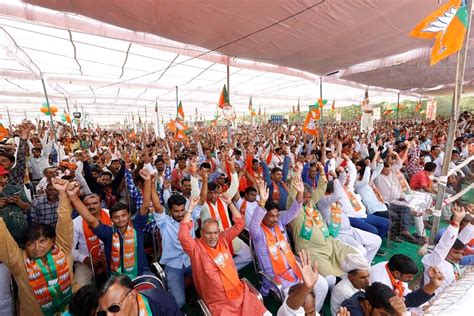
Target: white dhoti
(367,244)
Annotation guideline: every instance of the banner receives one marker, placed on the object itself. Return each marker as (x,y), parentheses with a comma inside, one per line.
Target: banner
(310,125)
(377,114)
(431,109)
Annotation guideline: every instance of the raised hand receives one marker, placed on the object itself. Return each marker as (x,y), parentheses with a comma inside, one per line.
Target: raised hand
(343,312)
(59,184)
(73,191)
(145,174)
(398,305)
(436,276)
(193,202)
(298,184)
(226,198)
(263,191)
(309,273)
(458,213)
(320,167)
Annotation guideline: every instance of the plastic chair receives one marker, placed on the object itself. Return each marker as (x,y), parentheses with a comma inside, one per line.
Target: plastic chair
(145,282)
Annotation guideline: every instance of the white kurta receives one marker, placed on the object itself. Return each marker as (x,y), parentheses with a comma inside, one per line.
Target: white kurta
(378,273)
(342,291)
(438,256)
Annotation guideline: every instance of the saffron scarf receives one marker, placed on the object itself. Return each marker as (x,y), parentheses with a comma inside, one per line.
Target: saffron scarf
(127,265)
(276,191)
(243,208)
(403,182)
(51,285)
(397,285)
(377,192)
(222,257)
(222,211)
(279,252)
(143,306)
(353,199)
(91,239)
(312,215)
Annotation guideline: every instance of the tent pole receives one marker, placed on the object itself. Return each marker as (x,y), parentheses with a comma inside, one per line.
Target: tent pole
(69,112)
(228,92)
(49,110)
(9,118)
(398,104)
(176,88)
(321,122)
(460,68)
(157,119)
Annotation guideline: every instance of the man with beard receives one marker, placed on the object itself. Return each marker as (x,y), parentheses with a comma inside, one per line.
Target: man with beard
(86,243)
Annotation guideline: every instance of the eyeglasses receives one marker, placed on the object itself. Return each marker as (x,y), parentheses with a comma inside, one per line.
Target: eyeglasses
(114,308)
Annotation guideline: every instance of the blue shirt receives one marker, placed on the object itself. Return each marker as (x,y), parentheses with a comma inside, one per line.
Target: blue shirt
(173,254)
(105,234)
(281,188)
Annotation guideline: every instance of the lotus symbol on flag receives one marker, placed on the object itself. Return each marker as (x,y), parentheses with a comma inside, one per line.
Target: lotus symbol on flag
(441,23)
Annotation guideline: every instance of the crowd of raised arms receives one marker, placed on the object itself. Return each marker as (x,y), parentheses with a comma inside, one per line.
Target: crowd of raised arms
(97,221)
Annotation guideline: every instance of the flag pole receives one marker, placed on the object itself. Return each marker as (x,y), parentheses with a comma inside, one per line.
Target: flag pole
(228,93)
(443,179)
(49,110)
(177,104)
(321,121)
(70,121)
(398,105)
(9,118)
(157,119)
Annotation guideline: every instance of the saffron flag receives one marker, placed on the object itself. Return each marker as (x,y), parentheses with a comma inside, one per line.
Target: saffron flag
(447,25)
(310,124)
(3,132)
(180,111)
(156,106)
(333,106)
(224,98)
(387,112)
(418,107)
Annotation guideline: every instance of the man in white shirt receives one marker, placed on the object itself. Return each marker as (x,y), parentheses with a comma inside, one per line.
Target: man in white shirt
(356,279)
(450,249)
(85,243)
(247,204)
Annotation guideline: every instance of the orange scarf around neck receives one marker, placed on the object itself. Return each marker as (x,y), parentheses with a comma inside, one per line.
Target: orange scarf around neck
(397,285)
(279,252)
(222,211)
(91,239)
(222,257)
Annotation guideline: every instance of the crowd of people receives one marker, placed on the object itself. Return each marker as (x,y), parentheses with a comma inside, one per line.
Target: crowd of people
(89,216)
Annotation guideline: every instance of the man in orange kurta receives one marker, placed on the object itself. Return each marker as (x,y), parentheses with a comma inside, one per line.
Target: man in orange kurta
(214,272)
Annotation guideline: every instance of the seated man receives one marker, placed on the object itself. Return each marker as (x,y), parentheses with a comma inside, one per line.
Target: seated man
(214,272)
(378,299)
(86,243)
(248,204)
(43,208)
(468,258)
(357,279)
(123,242)
(118,297)
(176,261)
(46,249)
(311,233)
(268,232)
(215,208)
(421,181)
(401,269)
(336,217)
(449,250)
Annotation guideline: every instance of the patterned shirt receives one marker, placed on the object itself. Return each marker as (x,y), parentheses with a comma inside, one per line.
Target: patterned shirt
(413,165)
(17,173)
(43,211)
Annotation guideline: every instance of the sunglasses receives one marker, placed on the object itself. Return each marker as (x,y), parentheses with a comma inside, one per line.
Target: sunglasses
(114,308)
